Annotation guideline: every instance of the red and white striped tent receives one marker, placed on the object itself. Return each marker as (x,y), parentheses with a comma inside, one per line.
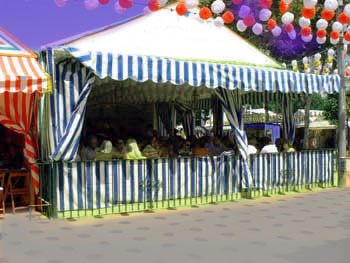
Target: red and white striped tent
(22,81)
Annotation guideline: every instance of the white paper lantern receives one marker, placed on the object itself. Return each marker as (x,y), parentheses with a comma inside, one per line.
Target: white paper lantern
(310,3)
(331,52)
(276,31)
(219,22)
(218,7)
(287,18)
(317,56)
(334,41)
(146,10)
(241,26)
(305,60)
(321,40)
(91,4)
(118,9)
(257,28)
(304,22)
(346,43)
(307,38)
(190,4)
(264,14)
(331,4)
(292,35)
(347,9)
(294,63)
(284,65)
(337,26)
(322,24)
(163,2)
(335,71)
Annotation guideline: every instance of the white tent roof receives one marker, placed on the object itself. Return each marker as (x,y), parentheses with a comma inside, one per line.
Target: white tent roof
(166,34)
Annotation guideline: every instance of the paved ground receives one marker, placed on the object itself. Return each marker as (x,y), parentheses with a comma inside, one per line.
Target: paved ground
(300,228)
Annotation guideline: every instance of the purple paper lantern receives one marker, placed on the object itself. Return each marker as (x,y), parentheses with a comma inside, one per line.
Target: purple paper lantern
(244,11)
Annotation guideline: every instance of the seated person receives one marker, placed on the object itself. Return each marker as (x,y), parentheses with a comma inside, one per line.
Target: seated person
(186,149)
(152,149)
(119,149)
(89,152)
(133,151)
(216,148)
(279,144)
(269,146)
(171,151)
(199,150)
(288,147)
(251,146)
(105,153)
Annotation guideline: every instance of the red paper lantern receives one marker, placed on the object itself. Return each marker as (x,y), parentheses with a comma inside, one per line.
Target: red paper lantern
(343,18)
(103,2)
(284,7)
(347,36)
(228,17)
(205,13)
(265,3)
(236,2)
(289,28)
(308,12)
(249,20)
(125,3)
(153,5)
(335,35)
(327,15)
(271,24)
(305,31)
(181,9)
(321,33)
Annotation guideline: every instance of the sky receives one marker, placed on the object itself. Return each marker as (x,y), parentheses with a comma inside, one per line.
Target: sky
(39,22)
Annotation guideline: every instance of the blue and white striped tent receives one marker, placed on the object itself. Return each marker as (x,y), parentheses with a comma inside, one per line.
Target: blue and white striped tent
(146,52)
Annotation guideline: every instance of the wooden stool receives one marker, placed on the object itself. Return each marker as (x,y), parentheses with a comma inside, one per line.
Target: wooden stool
(2,192)
(14,177)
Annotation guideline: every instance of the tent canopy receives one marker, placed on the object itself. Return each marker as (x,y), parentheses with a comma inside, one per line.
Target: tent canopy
(19,68)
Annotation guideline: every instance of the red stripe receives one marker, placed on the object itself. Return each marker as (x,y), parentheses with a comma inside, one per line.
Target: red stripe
(7,75)
(29,141)
(7,105)
(15,73)
(15,107)
(35,73)
(24,111)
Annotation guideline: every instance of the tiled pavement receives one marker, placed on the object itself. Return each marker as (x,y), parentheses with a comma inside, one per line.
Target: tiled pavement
(312,227)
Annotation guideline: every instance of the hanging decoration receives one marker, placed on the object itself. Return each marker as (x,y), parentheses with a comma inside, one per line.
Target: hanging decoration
(61,3)
(295,66)
(306,65)
(181,9)
(91,4)
(317,63)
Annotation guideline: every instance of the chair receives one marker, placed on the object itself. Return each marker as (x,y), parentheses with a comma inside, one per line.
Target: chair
(2,192)
(13,190)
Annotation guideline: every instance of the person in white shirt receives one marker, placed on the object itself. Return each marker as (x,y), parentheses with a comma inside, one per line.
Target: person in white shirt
(251,148)
(269,146)
(89,152)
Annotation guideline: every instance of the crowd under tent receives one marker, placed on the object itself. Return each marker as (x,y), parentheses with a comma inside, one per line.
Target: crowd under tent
(176,64)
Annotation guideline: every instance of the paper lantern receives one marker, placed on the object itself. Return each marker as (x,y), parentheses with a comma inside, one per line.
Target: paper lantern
(289,28)
(337,27)
(257,29)
(264,14)
(265,3)
(162,2)
(61,3)
(343,18)
(346,43)
(310,3)
(271,24)
(305,60)
(307,38)
(91,4)
(308,12)
(305,31)
(103,2)
(322,24)
(287,18)
(335,34)
(276,31)
(118,9)
(181,9)
(294,63)
(292,35)
(228,17)
(217,7)
(249,20)
(154,5)
(205,13)
(321,33)
(327,14)
(190,4)
(126,3)
(283,7)
(331,52)
(146,10)
(331,5)
(244,11)
(219,22)
(241,26)
(347,9)
(304,22)
(321,41)
(236,2)
(334,41)
(317,56)
(347,36)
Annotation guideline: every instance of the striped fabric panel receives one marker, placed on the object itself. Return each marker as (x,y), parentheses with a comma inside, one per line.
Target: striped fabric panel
(211,75)
(18,112)
(22,74)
